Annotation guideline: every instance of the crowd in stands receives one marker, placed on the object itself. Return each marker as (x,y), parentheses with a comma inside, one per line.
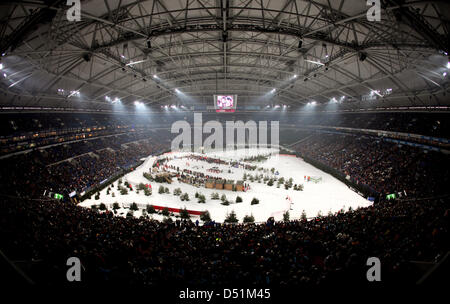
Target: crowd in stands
(431,124)
(14,124)
(434,124)
(74,167)
(384,166)
(24,131)
(21,132)
(325,250)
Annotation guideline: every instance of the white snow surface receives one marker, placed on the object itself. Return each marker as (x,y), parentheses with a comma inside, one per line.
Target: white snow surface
(329,195)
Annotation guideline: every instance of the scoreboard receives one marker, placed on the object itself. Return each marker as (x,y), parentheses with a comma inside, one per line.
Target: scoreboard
(225,103)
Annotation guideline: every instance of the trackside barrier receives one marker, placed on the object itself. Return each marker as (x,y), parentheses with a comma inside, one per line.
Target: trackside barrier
(144,206)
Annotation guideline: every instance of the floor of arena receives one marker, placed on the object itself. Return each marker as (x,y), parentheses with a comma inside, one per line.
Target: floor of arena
(328,195)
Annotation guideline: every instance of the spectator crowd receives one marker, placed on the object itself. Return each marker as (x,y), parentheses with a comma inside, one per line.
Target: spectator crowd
(325,250)
(384,166)
(75,167)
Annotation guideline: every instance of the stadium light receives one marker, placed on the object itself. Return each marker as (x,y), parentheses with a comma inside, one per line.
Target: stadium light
(273,91)
(1,66)
(135,62)
(74,93)
(375,92)
(115,100)
(155,76)
(448,65)
(316,62)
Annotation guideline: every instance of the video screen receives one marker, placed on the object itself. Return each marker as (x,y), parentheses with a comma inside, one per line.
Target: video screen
(225,103)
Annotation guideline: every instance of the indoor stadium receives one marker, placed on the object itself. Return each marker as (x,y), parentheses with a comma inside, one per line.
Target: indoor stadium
(252,144)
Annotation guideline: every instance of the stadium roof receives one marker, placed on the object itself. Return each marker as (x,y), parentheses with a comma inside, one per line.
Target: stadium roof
(162,52)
